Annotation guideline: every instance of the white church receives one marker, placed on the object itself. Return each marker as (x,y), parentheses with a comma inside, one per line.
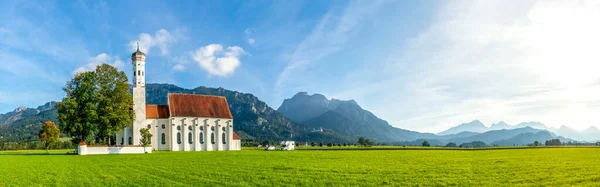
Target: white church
(189,122)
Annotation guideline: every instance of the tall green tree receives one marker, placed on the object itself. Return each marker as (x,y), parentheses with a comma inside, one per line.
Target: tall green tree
(77,111)
(49,134)
(97,104)
(114,100)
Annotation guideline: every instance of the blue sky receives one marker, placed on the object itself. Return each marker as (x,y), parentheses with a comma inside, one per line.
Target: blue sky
(420,65)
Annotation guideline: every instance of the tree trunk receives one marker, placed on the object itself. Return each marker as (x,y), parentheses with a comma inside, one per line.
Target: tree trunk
(47,149)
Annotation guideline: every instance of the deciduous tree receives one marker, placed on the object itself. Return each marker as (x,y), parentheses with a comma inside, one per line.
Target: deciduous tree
(114,100)
(77,111)
(49,134)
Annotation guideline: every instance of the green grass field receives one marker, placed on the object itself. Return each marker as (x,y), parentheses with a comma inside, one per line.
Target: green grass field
(501,167)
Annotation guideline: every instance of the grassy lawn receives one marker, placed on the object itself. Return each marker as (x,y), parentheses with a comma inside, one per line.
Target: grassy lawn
(502,167)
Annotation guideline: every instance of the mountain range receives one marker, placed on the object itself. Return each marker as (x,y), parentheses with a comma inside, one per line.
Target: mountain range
(590,134)
(309,118)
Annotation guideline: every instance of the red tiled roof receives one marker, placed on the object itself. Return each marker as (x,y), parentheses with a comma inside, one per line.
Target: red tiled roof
(194,105)
(157,111)
(236,137)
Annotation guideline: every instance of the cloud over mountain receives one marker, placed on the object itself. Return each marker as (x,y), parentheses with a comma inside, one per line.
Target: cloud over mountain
(217,60)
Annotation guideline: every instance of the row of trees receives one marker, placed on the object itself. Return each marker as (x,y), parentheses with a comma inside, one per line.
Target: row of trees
(96,106)
(553,142)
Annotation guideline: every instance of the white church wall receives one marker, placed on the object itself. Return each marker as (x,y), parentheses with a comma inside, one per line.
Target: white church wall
(163,145)
(176,134)
(119,138)
(236,145)
(85,150)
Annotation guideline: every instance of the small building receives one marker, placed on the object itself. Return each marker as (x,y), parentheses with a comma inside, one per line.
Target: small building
(288,145)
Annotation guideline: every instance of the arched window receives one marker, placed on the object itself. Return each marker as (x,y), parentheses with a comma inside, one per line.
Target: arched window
(130,140)
(178,138)
(212,138)
(178,127)
(163,126)
(201,138)
(190,127)
(201,128)
(190,138)
(223,137)
(163,139)
(212,128)
(223,128)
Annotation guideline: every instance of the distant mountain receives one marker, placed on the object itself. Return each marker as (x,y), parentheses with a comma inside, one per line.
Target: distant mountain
(23,124)
(473,126)
(529,138)
(344,117)
(493,136)
(499,126)
(302,107)
(591,134)
(532,124)
(459,135)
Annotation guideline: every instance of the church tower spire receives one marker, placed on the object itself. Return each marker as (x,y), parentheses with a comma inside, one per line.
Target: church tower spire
(138,60)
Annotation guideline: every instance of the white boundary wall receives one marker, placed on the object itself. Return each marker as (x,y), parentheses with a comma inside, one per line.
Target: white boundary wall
(85,150)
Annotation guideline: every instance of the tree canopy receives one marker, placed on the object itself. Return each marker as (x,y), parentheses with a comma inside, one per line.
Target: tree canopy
(49,134)
(96,105)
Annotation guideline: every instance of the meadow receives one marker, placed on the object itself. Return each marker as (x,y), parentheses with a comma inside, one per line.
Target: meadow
(429,167)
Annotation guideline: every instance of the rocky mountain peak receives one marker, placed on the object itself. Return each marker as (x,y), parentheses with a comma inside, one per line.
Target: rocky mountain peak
(20,109)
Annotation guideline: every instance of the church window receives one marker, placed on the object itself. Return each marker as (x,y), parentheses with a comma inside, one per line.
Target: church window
(223,137)
(130,140)
(163,139)
(223,128)
(178,138)
(212,138)
(163,126)
(201,138)
(212,128)
(190,127)
(178,127)
(201,128)
(190,138)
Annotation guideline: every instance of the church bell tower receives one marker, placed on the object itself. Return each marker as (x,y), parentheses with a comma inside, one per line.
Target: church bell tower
(138,59)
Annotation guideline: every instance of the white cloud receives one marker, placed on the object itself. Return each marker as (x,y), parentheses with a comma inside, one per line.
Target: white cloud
(218,61)
(101,59)
(161,39)
(180,63)
(179,67)
(248,32)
